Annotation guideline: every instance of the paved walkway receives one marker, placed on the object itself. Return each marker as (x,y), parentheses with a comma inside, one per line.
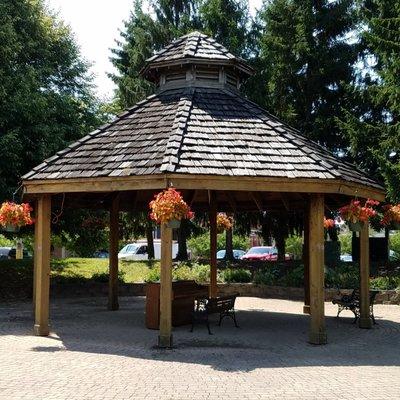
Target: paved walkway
(101,355)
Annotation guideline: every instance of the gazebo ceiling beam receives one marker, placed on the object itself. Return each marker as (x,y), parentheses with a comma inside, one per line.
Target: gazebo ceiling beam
(203,182)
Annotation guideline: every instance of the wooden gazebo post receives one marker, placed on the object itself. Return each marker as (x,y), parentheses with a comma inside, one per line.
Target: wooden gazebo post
(165,334)
(316,263)
(306,260)
(213,290)
(365,319)
(113,254)
(42,265)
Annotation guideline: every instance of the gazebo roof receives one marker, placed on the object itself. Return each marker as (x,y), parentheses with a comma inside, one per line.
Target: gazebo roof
(195,47)
(204,133)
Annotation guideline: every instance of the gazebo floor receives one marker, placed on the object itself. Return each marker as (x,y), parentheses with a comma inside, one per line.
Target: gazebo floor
(99,354)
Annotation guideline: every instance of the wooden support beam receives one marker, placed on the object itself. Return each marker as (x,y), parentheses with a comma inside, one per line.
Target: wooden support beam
(365,319)
(42,265)
(316,263)
(306,260)
(257,201)
(213,244)
(285,202)
(113,254)
(165,334)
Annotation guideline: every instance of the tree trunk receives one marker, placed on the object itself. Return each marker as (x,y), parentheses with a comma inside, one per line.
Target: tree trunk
(281,246)
(150,241)
(229,245)
(182,245)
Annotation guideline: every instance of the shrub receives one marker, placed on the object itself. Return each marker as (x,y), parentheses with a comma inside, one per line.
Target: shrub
(385,283)
(265,277)
(182,272)
(345,243)
(200,245)
(104,277)
(343,276)
(201,273)
(294,277)
(294,246)
(236,276)
(153,275)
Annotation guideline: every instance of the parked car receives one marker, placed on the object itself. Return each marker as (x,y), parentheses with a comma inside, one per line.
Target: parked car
(101,254)
(237,254)
(346,258)
(264,253)
(138,251)
(7,253)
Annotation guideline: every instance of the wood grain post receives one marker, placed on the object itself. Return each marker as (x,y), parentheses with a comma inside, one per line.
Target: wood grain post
(316,254)
(165,335)
(365,318)
(213,245)
(42,266)
(113,255)
(306,260)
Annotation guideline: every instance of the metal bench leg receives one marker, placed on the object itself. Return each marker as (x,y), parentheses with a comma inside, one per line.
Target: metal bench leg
(234,320)
(208,327)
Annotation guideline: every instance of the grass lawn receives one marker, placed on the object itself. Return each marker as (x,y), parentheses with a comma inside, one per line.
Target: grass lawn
(133,271)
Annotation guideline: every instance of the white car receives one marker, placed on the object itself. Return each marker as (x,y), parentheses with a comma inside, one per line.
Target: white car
(138,251)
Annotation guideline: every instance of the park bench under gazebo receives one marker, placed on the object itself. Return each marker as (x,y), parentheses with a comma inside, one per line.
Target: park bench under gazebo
(223,152)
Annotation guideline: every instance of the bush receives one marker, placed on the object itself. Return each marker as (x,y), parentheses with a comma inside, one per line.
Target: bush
(343,276)
(294,277)
(236,276)
(104,277)
(201,273)
(394,243)
(345,243)
(200,245)
(385,283)
(265,277)
(294,246)
(153,275)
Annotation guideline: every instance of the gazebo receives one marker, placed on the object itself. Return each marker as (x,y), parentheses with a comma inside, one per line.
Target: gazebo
(198,134)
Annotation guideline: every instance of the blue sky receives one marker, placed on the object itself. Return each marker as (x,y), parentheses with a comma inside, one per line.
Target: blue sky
(95,24)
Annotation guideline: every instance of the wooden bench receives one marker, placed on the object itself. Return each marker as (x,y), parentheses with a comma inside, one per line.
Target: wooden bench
(224,306)
(352,302)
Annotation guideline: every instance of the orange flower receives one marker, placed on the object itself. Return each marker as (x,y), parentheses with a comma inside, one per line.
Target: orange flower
(15,214)
(223,222)
(329,223)
(391,214)
(169,205)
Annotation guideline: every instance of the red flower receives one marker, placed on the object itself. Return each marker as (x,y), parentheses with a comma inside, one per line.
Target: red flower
(355,212)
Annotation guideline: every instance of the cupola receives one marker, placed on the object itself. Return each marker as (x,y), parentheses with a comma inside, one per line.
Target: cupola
(196,60)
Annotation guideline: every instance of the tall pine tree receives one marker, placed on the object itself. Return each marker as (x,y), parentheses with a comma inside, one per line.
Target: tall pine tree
(305,62)
(373,127)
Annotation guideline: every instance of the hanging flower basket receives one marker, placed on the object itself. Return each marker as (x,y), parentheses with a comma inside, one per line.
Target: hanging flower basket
(224,222)
(13,216)
(356,213)
(168,207)
(391,216)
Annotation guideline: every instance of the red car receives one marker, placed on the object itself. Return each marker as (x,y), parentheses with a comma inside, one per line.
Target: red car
(263,253)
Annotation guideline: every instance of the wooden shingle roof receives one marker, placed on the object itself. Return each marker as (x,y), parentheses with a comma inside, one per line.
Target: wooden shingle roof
(195,47)
(197,130)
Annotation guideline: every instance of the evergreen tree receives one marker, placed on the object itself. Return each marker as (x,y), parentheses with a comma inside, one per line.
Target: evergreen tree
(45,92)
(373,126)
(228,22)
(305,63)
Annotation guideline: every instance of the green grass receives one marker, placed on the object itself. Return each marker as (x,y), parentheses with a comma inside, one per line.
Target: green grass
(132,271)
